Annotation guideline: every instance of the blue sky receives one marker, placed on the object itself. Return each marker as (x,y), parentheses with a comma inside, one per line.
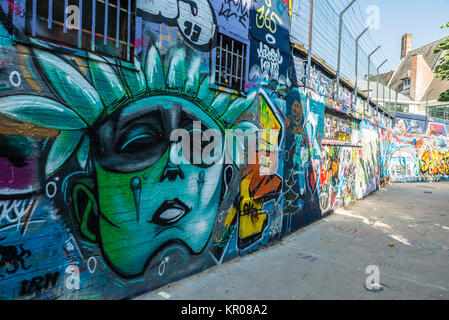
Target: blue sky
(422,18)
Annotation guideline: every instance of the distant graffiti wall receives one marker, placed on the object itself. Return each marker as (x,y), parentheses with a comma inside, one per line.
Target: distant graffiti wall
(420,151)
(302,159)
(337,177)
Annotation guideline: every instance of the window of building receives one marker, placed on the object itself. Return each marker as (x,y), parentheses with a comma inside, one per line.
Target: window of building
(230,65)
(440,112)
(101,26)
(402,108)
(406,84)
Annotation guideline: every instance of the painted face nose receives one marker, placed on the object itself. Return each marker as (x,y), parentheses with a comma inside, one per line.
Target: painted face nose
(171,170)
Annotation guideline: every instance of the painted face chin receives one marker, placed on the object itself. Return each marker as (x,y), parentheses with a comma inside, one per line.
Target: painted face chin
(138,223)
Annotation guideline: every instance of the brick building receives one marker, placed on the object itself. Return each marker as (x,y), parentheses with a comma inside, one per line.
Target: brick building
(415,82)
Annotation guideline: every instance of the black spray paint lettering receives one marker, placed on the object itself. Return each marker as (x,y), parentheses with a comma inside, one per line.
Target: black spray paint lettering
(234,9)
(12,258)
(195,19)
(37,284)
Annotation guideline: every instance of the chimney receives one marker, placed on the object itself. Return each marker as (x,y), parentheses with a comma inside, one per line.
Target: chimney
(420,77)
(407,44)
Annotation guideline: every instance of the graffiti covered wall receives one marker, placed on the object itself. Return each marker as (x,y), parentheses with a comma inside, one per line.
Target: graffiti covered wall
(95,202)
(98,201)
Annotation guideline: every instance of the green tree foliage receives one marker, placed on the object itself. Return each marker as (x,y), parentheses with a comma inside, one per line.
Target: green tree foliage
(442,69)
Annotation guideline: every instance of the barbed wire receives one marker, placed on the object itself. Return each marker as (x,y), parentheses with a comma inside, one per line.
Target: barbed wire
(325,37)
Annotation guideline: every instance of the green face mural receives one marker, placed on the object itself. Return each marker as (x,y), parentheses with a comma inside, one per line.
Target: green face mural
(116,123)
(161,202)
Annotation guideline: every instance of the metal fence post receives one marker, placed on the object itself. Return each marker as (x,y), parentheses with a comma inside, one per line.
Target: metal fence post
(389,99)
(357,62)
(383,98)
(377,92)
(369,74)
(339,45)
(396,102)
(309,54)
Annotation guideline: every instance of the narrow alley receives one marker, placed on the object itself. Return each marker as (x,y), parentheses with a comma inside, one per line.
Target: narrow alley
(218,149)
(402,229)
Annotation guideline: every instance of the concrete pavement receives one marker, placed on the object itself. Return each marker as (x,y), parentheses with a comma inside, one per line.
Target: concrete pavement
(402,229)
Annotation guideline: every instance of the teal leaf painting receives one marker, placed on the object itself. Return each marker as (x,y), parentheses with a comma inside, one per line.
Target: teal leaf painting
(41,112)
(220,104)
(63,147)
(237,107)
(108,84)
(71,86)
(135,79)
(82,154)
(205,94)
(193,77)
(155,71)
(177,70)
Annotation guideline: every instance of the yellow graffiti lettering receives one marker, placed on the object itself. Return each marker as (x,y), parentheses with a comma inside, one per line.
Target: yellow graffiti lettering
(267,20)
